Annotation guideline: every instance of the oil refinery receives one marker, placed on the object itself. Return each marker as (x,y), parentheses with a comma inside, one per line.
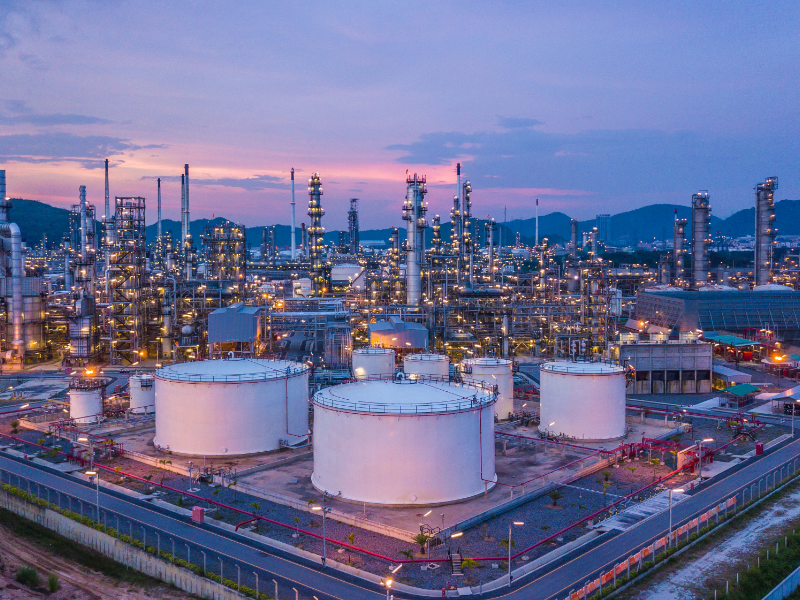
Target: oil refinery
(348,402)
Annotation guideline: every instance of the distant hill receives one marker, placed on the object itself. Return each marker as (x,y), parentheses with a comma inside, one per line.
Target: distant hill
(654,221)
(36,219)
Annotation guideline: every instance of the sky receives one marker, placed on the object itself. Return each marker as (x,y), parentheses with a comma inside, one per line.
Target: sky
(590,107)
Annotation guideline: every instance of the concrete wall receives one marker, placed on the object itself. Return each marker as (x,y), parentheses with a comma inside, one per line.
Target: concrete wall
(119,551)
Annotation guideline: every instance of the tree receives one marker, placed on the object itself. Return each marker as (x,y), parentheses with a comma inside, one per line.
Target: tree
(421,539)
(255,505)
(555,496)
(409,554)
(655,463)
(14,426)
(310,502)
(470,563)
(606,474)
(351,537)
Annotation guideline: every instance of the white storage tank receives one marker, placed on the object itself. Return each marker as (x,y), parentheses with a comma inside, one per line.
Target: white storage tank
(373,363)
(493,371)
(404,442)
(85,400)
(427,365)
(143,394)
(231,407)
(582,400)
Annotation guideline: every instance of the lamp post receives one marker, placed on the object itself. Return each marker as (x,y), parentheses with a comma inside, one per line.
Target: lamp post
(90,441)
(680,491)
(793,413)
(700,455)
(518,524)
(388,588)
(94,477)
(325,510)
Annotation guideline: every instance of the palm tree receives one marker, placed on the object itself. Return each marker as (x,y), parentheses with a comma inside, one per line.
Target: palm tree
(606,474)
(421,539)
(555,496)
(255,505)
(409,554)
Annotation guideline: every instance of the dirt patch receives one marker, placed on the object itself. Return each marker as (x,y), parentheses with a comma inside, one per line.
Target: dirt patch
(78,582)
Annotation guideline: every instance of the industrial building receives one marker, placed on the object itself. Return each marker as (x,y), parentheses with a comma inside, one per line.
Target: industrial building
(663,365)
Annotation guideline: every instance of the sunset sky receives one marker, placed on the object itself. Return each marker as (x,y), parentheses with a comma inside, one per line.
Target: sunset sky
(591,107)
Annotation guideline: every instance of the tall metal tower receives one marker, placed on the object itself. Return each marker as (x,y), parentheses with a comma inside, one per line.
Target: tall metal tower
(315,233)
(765,230)
(292,233)
(679,248)
(414,216)
(126,308)
(701,224)
(352,223)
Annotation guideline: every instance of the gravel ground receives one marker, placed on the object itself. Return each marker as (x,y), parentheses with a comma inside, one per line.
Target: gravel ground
(542,519)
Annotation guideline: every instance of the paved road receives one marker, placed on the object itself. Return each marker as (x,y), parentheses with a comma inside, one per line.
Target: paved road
(559,582)
(552,585)
(250,556)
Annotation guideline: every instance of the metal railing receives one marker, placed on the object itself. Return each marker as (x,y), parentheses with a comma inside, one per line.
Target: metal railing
(169,375)
(484,395)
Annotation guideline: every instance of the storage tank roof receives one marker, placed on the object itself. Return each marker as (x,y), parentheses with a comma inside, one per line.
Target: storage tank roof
(404,397)
(582,368)
(231,370)
(371,350)
(487,361)
(427,357)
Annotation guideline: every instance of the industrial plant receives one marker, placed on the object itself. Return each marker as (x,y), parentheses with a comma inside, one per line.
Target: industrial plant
(423,391)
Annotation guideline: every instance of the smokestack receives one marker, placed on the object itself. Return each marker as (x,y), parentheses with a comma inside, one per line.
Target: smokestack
(108,208)
(186,172)
(183,212)
(537,222)
(159,208)
(292,235)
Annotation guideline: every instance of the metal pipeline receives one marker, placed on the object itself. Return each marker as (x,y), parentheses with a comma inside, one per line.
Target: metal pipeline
(11,230)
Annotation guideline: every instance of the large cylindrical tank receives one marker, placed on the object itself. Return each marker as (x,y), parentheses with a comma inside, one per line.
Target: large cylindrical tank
(404,442)
(373,363)
(85,400)
(582,400)
(143,394)
(493,371)
(427,365)
(231,407)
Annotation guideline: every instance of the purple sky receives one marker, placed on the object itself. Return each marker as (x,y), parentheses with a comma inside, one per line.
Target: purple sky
(592,107)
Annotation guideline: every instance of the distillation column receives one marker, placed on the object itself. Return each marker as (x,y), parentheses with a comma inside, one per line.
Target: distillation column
(765,230)
(414,215)
(315,233)
(679,248)
(701,223)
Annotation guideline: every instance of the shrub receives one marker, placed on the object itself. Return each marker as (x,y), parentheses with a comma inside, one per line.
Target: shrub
(27,576)
(53,584)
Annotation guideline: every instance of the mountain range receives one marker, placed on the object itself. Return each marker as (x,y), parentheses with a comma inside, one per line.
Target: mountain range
(37,219)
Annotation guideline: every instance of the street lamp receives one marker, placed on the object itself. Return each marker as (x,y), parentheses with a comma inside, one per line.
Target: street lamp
(95,478)
(793,413)
(680,491)
(89,441)
(518,524)
(388,588)
(325,510)
(700,455)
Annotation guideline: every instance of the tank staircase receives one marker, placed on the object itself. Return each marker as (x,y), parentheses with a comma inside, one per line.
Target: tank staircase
(455,563)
